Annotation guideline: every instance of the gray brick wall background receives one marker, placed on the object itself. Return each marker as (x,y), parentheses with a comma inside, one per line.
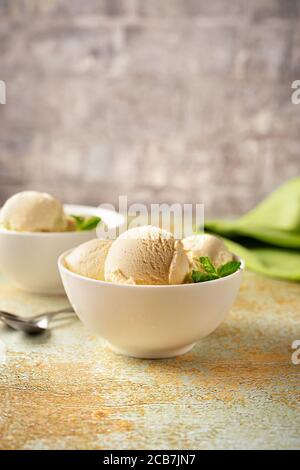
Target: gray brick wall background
(163,100)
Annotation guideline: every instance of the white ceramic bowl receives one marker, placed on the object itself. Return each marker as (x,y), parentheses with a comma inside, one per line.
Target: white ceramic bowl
(30,259)
(150,321)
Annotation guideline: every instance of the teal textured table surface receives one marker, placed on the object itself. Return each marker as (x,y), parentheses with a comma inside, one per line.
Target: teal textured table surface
(238,388)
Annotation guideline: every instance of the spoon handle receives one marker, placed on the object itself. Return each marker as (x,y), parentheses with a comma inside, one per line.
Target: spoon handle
(7,315)
(51,315)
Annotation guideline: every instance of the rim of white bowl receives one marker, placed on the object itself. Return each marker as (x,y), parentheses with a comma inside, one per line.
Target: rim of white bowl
(62,267)
(76,209)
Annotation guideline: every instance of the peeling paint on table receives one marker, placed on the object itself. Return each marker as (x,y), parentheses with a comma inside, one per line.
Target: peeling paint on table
(236,389)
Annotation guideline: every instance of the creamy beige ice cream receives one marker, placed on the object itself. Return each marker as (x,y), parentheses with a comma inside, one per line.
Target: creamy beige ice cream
(32,211)
(146,255)
(206,245)
(88,258)
(70,224)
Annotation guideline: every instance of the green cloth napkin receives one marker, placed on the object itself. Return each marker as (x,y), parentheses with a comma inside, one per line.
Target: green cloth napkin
(267,237)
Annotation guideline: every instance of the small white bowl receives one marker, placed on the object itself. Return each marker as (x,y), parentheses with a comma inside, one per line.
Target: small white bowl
(30,258)
(150,321)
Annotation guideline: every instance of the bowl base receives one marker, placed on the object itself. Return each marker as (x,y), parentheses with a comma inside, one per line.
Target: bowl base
(150,354)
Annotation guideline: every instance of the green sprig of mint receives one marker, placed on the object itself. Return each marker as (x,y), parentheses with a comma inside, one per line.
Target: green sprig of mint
(211,272)
(86,223)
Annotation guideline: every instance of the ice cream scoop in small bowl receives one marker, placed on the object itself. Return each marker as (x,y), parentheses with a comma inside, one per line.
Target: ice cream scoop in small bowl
(29,258)
(150,321)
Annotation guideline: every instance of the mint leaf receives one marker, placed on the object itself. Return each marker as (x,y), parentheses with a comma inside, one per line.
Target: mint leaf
(78,221)
(208,265)
(228,268)
(198,276)
(211,272)
(78,218)
(90,223)
(86,223)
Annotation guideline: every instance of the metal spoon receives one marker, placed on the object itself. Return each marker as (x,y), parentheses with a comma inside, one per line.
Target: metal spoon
(34,324)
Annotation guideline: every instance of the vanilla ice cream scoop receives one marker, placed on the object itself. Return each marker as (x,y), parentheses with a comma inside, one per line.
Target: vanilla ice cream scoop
(206,245)
(88,258)
(146,255)
(32,211)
